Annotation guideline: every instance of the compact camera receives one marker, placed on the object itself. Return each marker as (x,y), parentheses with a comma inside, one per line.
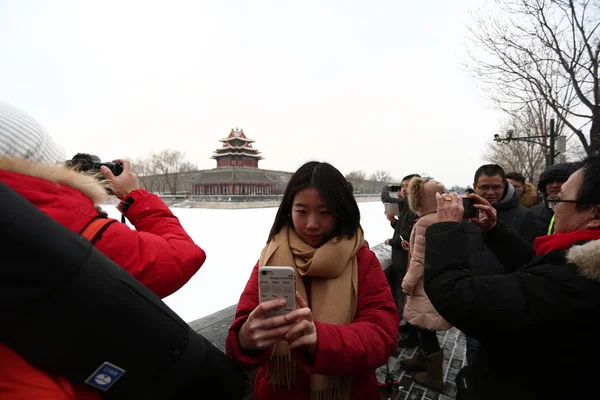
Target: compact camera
(88,162)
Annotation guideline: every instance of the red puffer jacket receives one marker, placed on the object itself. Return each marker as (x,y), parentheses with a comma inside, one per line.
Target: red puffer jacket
(159,253)
(356,349)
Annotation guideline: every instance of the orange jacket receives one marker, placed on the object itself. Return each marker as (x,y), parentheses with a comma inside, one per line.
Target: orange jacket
(22,381)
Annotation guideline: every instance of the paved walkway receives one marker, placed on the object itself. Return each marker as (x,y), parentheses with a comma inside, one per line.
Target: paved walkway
(215,326)
(453,343)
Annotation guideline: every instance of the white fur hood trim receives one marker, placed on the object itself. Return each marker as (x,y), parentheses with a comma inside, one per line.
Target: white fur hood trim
(85,183)
(587,259)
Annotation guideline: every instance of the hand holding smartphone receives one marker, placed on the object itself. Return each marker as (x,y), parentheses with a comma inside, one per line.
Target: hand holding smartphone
(277,282)
(469,210)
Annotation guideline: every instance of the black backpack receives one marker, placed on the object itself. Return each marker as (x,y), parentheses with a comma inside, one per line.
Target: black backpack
(69,310)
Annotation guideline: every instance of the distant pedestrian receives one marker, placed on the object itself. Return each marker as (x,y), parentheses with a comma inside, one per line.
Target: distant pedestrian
(528,195)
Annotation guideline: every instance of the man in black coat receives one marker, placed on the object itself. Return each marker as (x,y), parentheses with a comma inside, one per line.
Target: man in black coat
(402,225)
(515,315)
(491,184)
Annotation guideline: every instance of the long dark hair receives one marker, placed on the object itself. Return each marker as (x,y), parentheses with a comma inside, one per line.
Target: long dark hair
(336,191)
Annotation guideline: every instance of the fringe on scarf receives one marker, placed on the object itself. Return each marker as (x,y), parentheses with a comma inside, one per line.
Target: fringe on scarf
(282,370)
(341,389)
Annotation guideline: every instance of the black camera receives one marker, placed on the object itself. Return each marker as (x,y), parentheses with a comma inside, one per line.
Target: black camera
(88,162)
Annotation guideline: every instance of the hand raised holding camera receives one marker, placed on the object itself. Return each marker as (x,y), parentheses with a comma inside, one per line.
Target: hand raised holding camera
(487,214)
(450,207)
(123,184)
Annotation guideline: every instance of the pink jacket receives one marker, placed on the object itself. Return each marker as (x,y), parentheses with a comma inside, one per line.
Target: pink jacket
(418,310)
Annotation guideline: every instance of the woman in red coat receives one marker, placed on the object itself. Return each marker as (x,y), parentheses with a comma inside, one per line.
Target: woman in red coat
(159,253)
(345,323)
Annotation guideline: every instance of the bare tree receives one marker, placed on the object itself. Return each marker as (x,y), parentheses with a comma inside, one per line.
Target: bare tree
(543,51)
(145,170)
(525,156)
(574,152)
(381,176)
(169,164)
(355,175)
(356,178)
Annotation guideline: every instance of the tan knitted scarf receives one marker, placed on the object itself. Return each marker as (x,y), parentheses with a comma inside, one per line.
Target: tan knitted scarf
(334,272)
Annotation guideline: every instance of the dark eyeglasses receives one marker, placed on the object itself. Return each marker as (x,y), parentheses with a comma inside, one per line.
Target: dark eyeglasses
(487,188)
(554,201)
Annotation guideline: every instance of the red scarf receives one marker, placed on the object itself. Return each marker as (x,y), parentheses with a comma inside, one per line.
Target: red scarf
(562,241)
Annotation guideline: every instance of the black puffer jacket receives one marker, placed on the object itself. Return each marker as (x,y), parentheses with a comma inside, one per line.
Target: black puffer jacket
(543,215)
(519,218)
(515,315)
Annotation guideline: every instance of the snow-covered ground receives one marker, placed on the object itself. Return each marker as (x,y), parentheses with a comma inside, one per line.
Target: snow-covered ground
(232,240)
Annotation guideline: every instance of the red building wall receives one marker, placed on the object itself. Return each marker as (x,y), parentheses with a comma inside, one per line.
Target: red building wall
(240,188)
(228,162)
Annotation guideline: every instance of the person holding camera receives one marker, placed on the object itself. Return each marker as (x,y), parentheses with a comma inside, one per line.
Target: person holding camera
(515,314)
(490,182)
(345,322)
(158,252)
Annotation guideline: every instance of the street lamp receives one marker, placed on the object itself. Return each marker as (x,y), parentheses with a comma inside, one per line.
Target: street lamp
(551,147)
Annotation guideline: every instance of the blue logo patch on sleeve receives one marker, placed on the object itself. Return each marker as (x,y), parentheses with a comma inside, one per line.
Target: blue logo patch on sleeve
(105,376)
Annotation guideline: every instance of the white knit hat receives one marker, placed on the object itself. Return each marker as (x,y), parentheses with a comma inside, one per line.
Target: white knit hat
(22,136)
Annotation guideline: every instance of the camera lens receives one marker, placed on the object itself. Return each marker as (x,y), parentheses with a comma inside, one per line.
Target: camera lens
(263,272)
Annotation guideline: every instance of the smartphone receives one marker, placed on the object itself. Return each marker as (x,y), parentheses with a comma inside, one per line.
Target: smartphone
(470,211)
(277,282)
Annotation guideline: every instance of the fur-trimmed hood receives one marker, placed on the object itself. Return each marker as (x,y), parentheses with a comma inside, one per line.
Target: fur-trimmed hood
(587,259)
(530,197)
(421,195)
(84,182)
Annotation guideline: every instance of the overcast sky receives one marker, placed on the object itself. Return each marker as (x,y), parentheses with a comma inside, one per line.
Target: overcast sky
(361,84)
